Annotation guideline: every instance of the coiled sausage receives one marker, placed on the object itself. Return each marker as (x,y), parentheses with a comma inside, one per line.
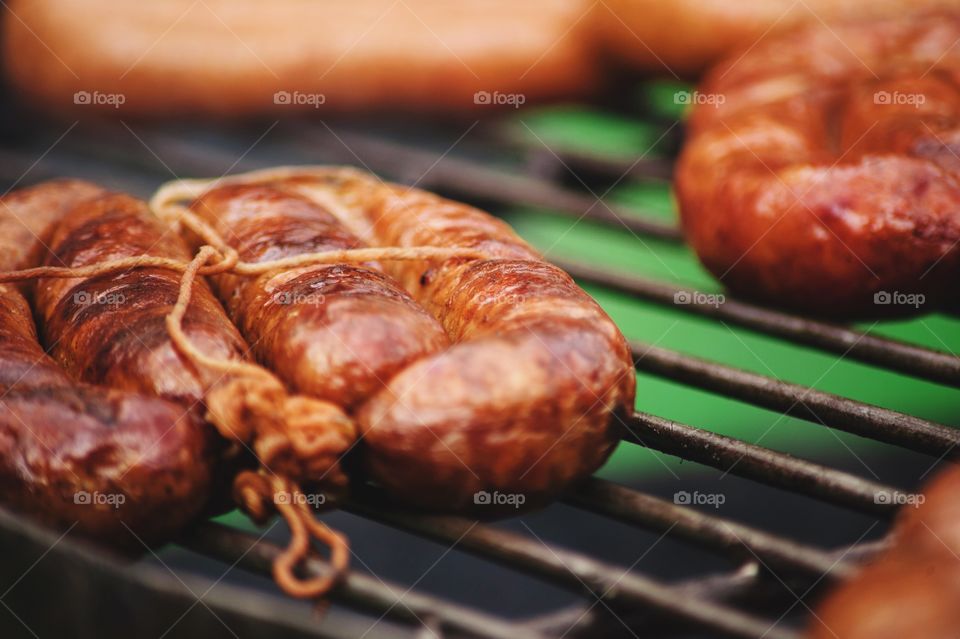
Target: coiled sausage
(820,170)
(99,461)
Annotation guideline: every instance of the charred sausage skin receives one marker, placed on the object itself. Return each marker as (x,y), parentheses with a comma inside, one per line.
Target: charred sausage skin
(825,179)
(63,442)
(531,395)
(110,329)
(334,332)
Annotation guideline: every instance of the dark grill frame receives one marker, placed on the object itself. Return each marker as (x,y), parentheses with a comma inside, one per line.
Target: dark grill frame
(714,604)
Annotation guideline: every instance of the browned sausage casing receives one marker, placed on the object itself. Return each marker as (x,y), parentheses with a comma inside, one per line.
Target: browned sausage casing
(529,397)
(820,171)
(111,329)
(911,591)
(335,332)
(68,449)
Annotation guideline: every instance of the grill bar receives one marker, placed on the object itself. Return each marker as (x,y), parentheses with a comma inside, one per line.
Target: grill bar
(569,569)
(643,169)
(456,176)
(357,589)
(812,405)
(760,464)
(887,353)
(726,536)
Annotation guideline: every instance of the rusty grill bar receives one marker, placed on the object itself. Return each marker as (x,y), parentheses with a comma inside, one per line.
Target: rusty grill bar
(726,604)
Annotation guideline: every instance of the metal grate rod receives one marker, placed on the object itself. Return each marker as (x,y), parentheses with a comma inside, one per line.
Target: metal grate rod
(834,411)
(455,176)
(358,590)
(570,569)
(760,464)
(727,536)
(917,361)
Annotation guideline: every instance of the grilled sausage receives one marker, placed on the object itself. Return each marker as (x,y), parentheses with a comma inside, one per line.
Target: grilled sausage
(110,329)
(825,179)
(99,461)
(334,332)
(685,37)
(530,396)
(911,590)
(227,58)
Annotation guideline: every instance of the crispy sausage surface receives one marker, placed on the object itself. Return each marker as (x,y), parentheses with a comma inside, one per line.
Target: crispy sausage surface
(110,329)
(820,171)
(335,332)
(99,460)
(530,396)
(911,590)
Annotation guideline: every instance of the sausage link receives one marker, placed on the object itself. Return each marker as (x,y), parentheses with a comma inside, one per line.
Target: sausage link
(110,329)
(64,444)
(825,179)
(912,588)
(335,332)
(530,396)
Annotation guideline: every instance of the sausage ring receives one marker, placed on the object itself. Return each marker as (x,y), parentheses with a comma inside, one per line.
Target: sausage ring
(530,395)
(820,170)
(100,461)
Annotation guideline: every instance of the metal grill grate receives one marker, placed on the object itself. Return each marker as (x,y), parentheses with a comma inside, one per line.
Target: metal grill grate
(738,603)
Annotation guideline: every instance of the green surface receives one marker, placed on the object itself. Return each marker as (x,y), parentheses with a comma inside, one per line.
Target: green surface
(668,262)
(574,129)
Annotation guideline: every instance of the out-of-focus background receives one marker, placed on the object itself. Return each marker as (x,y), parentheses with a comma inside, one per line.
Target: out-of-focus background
(584,178)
